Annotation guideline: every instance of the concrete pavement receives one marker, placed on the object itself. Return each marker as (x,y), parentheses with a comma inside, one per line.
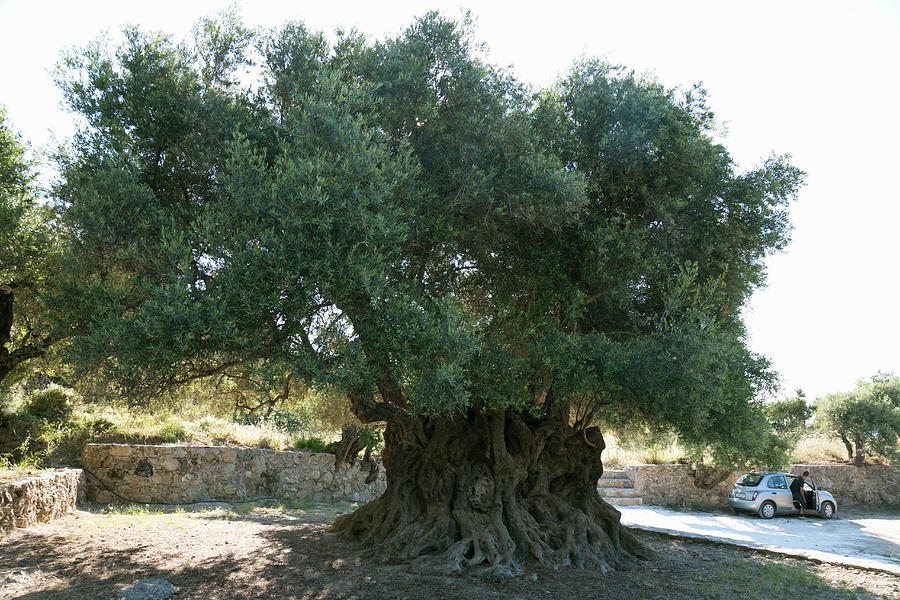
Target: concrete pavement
(864,541)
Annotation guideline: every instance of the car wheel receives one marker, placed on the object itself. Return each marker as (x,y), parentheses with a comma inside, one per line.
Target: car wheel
(767,510)
(827,510)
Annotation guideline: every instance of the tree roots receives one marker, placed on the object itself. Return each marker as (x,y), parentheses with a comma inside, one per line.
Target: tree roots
(493,494)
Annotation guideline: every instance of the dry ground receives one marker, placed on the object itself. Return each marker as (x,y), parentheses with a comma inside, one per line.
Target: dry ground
(285,551)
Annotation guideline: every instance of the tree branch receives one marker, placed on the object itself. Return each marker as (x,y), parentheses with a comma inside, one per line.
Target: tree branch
(196,373)
(10,360)
(368,410)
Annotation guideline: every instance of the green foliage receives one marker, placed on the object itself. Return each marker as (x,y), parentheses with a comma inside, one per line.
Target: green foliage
(41,439)
(52,404)
(371,440)
(17,467)
(22,231)
(20,434)
(311,443)
(866,419)
(49,428)
(634,435)
(221,45)
(27,258)
(328,408)
(404,224)
(789,416)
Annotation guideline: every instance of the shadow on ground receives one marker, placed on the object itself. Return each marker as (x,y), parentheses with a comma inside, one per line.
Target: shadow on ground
(217,553)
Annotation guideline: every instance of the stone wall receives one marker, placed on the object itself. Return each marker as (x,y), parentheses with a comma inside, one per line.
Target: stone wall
(40,498)
(171,473)
(675,485)
(869,484)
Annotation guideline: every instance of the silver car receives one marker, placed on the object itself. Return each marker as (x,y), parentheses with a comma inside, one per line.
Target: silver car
(769,494)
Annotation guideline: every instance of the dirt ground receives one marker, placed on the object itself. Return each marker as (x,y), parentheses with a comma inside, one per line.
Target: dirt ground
(287,552)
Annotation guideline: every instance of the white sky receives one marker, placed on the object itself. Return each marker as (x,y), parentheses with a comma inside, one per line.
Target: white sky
(817,79)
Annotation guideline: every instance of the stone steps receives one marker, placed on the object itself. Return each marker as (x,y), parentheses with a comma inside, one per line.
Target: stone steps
(617,492)
(636,501)
(617,488)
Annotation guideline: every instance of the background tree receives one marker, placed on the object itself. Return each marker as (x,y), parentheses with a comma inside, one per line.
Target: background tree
(866,419)
(789,416)
(27,253)
(482,269)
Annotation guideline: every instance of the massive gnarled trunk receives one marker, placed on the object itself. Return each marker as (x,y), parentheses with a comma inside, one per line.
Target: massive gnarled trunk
(494,491)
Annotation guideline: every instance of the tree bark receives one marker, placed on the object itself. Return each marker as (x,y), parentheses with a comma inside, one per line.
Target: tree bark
(707,478)
(848,446)
(495,492)
(10,359)
(860,456)
(6,315)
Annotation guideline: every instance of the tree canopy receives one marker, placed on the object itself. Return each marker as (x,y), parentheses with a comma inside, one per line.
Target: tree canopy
(408,224)
(866,419)
(27,251)
(790,415)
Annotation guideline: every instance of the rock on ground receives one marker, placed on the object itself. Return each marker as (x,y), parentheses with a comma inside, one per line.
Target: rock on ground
(148,589)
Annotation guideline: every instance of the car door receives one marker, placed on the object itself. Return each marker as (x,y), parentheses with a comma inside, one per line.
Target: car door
(777,489)
(810,488)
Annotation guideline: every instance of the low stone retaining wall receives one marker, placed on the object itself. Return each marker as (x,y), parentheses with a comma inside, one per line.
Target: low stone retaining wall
(869,484)
(40,498)
(167,473)
(676,485)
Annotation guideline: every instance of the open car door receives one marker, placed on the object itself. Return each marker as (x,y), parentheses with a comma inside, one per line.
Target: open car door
(811,492)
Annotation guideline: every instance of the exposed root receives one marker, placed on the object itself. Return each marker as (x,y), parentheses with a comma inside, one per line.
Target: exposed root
(479,497)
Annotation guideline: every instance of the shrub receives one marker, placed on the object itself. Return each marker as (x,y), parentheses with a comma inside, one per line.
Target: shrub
(289,420)
(311,443)
(52,404)
(20,434)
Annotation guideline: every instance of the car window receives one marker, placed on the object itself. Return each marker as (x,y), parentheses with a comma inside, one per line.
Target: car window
(750,479)
(806,484)
(777,482)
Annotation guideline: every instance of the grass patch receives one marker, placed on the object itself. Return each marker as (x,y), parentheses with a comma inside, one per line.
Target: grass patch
(761,577)
(242,508)
(812,447)
(133,510)
(50,428)
(16,474)
(619,455)
(53,444)
(185,426)
(288,505)
(815,447)
(25,466)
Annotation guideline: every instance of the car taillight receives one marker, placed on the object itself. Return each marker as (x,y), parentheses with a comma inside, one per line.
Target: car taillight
(755,494)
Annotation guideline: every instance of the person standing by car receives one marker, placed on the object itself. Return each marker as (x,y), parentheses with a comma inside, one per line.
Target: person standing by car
(799,493)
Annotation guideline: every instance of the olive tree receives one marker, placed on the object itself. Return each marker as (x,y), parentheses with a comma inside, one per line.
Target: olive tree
(867,419)
(27,252)
(789,416)
(482,268)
